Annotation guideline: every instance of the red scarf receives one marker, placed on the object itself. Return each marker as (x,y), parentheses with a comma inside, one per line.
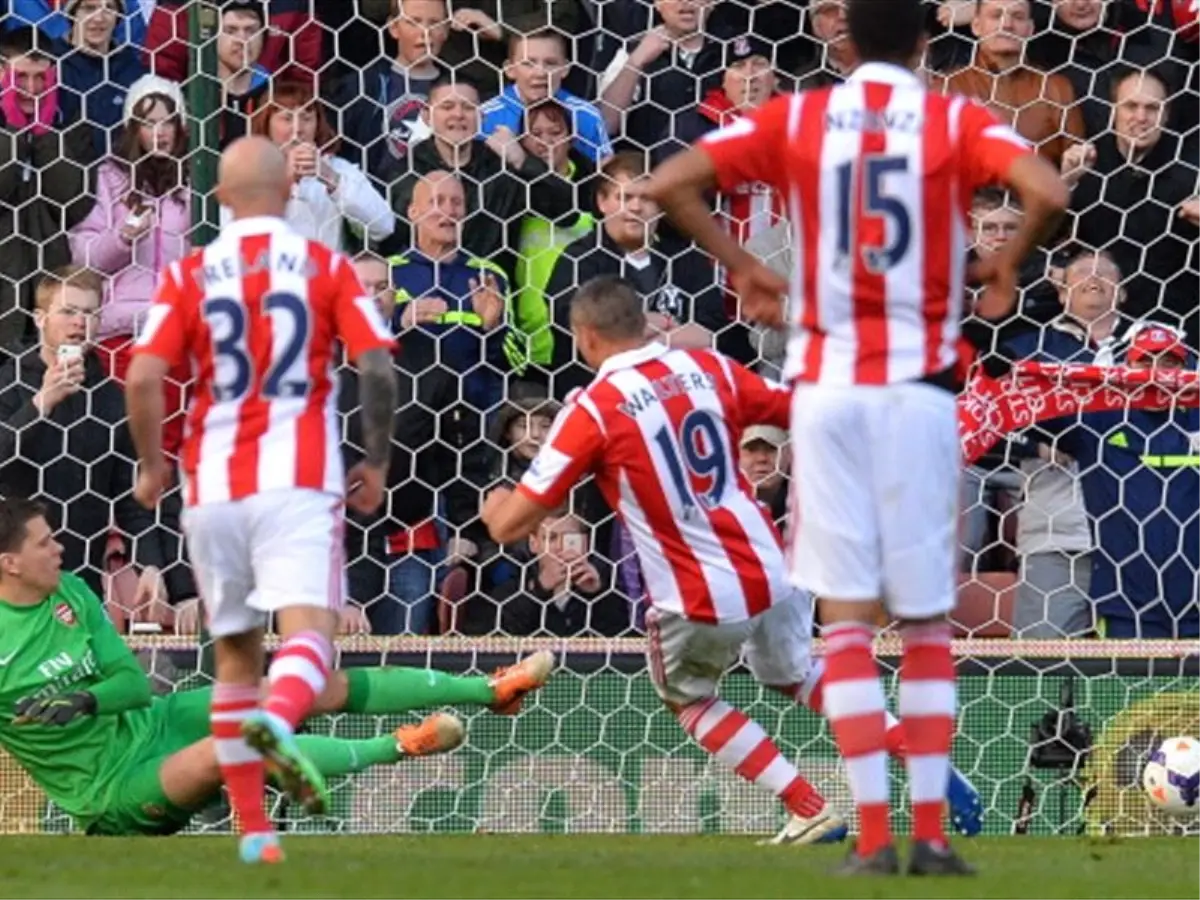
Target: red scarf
(991,408)
(46,105)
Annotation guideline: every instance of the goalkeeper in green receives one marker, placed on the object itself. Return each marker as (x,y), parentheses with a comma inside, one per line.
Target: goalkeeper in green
(77,714)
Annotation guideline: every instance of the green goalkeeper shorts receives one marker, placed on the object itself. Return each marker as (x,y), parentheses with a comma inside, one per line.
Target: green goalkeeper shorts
(139,806)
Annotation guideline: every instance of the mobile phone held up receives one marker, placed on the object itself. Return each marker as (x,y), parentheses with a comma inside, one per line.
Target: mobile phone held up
(67,352)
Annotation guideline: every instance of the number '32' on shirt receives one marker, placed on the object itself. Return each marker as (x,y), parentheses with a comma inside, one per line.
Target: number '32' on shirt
(259,313)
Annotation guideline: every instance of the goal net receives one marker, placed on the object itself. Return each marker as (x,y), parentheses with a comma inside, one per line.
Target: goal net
(1077,615)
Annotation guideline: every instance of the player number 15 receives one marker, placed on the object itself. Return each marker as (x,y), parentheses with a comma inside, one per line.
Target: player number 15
(876,201)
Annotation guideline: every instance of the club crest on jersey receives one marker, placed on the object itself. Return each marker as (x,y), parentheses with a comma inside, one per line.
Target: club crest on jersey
(65,614)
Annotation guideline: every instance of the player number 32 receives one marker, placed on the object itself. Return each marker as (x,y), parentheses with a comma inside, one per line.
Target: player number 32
(286,374)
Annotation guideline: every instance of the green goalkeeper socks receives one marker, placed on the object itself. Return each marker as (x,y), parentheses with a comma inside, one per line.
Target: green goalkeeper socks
(397,689)
(338,756)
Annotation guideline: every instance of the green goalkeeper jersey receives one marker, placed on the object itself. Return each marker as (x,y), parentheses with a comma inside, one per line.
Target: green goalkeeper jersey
(65,644)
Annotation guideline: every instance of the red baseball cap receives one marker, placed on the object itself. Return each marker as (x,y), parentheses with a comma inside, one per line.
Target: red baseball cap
(1154,340)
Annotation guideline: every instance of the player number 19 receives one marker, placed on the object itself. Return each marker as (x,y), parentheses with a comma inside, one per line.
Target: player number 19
(703,453)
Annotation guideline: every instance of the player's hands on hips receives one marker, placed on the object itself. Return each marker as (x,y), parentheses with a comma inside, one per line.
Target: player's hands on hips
(761,293)
(365,488)
(153,478)
(55,710)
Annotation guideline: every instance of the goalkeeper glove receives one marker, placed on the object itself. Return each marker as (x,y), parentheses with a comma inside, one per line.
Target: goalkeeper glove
(56,710)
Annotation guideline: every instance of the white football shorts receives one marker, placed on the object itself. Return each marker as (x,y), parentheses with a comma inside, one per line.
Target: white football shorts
(874,505)
(266,552)
(687,659)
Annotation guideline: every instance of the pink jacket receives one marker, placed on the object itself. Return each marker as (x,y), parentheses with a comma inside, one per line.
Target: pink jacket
(132,269)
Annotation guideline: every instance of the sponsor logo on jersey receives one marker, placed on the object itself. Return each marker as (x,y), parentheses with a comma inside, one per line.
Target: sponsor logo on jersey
(65,614)
(153,810)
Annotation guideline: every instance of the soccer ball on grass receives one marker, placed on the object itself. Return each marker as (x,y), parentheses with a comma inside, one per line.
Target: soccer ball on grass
(1172,776)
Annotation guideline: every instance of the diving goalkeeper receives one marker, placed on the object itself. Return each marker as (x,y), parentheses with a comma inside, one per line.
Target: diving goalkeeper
(76,710)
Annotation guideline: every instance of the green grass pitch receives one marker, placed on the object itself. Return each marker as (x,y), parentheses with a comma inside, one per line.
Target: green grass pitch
(577,866)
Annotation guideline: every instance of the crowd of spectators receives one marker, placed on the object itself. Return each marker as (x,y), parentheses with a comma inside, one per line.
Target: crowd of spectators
(475,159)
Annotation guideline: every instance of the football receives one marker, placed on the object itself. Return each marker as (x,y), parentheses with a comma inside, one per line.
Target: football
(1172,776)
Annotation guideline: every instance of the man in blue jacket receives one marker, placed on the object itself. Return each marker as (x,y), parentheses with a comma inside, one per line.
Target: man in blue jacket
(54,22)
(97,68)
(452,307)
(1141,480)
(452,317)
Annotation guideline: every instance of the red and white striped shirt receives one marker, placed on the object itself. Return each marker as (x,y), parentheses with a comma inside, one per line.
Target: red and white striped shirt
(878,174)
(259,312)
(661,429)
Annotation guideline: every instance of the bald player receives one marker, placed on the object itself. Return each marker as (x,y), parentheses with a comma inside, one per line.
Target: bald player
(258,314)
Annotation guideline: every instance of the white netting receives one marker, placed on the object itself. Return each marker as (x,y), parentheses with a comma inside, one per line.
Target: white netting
(1078,534)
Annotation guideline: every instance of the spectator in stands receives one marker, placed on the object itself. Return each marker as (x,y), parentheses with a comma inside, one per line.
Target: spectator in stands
(51,18)
(779,22)
(1140,481)
(665,71)
(292,46)
(329,194)
(1054,536)
(535,68)
(748,82)
(995,218)
(477,47)
(520,430)
(683,301)
(366,547)
(453,307)
(95,69)
(140,224)
(558,594)
(451,314)
(1040,106)
(503,183)
(836,57)
(44,185)
(765,458)
(1134,196)
(381,105)
(1079,46)
(541,240)
(244,80)
(63,438)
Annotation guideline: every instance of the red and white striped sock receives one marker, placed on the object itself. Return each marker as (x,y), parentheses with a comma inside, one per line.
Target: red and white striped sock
(812,695)
(742,745)
(241,767)
(855,705)
(927,707)
(297,676)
